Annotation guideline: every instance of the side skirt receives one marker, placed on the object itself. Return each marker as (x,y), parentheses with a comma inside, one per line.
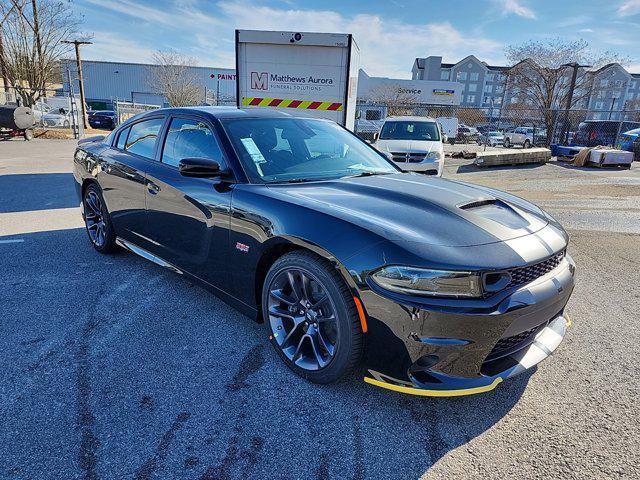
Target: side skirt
(232,301)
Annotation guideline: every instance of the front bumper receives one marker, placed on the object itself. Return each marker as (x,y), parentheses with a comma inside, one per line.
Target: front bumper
(431,166)
(449,349)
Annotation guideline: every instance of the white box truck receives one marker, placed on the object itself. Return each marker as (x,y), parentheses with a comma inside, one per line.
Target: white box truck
(305,74)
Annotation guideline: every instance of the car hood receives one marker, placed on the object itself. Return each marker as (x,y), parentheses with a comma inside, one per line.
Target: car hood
(422,209)
(414,146)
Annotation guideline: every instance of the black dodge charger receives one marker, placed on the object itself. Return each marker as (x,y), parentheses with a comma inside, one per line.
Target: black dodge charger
(430,287)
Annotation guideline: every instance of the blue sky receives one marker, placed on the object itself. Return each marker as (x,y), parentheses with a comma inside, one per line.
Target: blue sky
(390,33)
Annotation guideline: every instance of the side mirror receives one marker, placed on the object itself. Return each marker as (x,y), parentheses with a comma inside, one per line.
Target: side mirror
(199,167)
(375,136)
(445,139)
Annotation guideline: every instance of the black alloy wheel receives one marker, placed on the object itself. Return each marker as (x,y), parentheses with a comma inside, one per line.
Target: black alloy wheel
(311,315)
(97,221)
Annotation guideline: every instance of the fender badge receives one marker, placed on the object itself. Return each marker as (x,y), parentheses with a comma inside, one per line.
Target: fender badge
(242,247)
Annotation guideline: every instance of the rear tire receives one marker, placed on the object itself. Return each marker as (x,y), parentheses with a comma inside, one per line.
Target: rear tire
(526,144)
(98,221)
(313,323)
(507,143)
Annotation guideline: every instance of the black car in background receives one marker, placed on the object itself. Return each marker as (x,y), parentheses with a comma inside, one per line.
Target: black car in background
(432,287)
(106,119)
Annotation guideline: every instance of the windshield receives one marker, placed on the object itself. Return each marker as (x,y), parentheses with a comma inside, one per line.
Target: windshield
(407,130)
(290,149)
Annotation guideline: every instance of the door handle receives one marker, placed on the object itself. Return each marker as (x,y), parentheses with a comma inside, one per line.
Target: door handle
(153,188)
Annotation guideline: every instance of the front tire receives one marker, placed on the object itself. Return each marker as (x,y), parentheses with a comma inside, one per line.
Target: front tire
(527,144)
(97,220)
(507,143)
(312,318)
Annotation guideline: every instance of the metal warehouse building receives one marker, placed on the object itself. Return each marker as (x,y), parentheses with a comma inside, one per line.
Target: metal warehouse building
(106,82)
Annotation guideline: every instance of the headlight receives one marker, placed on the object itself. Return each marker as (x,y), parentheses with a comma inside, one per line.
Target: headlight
(434,155)
(433,283)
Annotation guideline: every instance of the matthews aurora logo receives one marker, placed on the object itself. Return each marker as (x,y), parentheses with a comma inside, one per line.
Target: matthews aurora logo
(259,81)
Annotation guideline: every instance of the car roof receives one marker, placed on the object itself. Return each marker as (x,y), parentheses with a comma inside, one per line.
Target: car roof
(409,118)
(228,112)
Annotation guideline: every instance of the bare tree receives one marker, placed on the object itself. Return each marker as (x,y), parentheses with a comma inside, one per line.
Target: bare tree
(32,34)
(397,99)
(172,77)
(541,81)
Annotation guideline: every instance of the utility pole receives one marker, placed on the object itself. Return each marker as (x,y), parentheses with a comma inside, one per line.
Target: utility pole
(83,106)
(36,33)
(575,66)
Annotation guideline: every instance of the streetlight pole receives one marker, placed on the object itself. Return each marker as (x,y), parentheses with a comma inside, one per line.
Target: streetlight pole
(83,106)
(575,66)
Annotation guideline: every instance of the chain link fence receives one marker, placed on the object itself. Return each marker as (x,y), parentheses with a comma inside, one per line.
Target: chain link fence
(52,109)
(508,126)
(125,110)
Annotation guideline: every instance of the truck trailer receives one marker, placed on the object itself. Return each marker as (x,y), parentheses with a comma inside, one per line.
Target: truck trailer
(305,74)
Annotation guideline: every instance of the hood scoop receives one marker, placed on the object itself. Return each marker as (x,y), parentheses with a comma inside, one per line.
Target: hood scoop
(497,211)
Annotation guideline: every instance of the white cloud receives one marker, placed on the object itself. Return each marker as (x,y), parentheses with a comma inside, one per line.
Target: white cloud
(629,7)
(515,7)
(109,47)
(388,47)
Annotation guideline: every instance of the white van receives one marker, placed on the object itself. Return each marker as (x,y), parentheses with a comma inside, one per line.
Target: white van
(414,143)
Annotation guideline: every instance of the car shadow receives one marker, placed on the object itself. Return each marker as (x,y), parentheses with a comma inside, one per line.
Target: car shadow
(43,191)
(137,371)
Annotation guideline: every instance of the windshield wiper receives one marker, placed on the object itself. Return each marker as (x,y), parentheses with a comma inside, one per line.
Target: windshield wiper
(369,174)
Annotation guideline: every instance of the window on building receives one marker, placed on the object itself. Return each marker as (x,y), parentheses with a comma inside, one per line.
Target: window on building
(600,94)
(599,105)
(500,77)
(604,82)
(618,83)
(499,88)
(473,76)
(488,88)
(514,100)
(486,100)
(444,75)
(473,87)
(497,100)
(471,99)
(491,77)
(633,84)
(143,136)
(462,75)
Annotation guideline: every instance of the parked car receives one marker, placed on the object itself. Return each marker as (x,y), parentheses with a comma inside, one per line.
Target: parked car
(413,143)
(440,288)
(40,109)
(492,139)
(59,118)
(466,134)
(103,119)
(527,137)
(592,133)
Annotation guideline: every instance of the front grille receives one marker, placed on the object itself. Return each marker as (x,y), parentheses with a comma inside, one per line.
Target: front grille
(514,343)
(524,275)
(412,157)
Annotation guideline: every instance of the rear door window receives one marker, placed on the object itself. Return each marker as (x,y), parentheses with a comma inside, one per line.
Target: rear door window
(143,137)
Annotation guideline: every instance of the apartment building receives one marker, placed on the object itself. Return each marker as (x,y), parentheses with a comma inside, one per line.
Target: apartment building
(483,86)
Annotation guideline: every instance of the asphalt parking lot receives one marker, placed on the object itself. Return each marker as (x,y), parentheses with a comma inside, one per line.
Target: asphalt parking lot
(113,367)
